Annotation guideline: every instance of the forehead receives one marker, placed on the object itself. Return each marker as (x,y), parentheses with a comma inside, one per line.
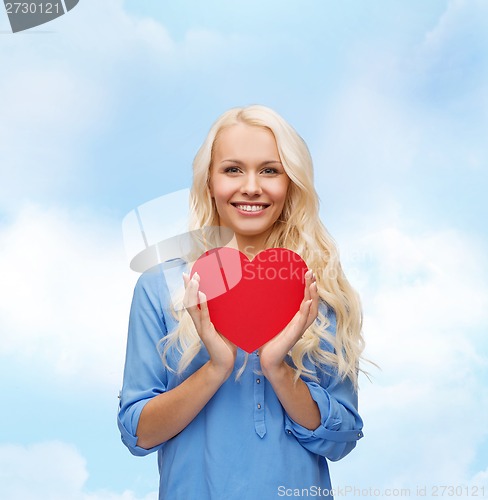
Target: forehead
(243,140)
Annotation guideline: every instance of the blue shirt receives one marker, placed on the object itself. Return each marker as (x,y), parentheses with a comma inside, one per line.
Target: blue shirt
(242,445)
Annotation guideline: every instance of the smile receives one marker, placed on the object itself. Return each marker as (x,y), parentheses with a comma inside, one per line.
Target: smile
(250,208)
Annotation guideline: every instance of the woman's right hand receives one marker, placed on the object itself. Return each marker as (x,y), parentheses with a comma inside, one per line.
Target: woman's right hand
(222,352)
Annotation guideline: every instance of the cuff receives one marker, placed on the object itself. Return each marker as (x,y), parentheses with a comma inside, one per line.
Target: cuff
(330,424)
(127,424)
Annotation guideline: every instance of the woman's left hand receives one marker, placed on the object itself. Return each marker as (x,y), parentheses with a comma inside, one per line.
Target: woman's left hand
(273,353)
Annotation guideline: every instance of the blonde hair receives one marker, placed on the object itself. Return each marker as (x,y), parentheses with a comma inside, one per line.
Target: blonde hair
(299,229)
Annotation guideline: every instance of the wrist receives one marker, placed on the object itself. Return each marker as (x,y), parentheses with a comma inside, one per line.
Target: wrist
(218,373)
(276,373)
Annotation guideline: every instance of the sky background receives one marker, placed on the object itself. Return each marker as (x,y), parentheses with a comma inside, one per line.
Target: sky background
(103,110)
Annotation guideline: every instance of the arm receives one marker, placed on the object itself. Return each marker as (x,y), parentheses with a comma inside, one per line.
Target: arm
(294,396)
(144,373)
(340,424)
(322,416)
(169,413)
(150,414)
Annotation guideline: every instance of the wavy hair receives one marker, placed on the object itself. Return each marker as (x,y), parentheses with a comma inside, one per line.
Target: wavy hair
(299,229)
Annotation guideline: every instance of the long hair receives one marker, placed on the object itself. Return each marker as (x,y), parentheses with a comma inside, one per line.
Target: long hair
(299,229)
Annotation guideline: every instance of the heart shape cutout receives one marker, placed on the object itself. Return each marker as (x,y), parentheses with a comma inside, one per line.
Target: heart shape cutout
(250,302)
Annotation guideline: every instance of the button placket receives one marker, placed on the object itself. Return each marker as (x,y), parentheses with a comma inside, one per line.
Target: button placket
(259,421)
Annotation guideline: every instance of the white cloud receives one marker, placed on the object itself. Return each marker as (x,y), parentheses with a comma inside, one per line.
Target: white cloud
(106,29)
(411,119)
(65,293)
(96,32)
(426,318)
(55,103)
(460,17)
(64,298)
(391,142)
(49,471)
(43,118)
(450,70)
(480,480)
(67,91)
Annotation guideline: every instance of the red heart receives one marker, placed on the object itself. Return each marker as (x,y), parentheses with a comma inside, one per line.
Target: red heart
(251,301)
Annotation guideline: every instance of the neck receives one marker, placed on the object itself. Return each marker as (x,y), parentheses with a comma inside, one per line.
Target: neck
(250,245)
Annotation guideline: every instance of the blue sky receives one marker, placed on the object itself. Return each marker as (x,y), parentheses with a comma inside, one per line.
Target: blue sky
(103,110)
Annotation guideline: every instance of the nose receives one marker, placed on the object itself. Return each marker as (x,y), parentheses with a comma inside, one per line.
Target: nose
(251,185)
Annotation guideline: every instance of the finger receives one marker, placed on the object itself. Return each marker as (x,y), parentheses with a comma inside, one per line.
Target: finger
(302,315)
(204,314)
(195,316)
(314,293)
(190,300)
(308,282)
(314,307)
(305,308)
(299,324)
(189,290)
(186,279)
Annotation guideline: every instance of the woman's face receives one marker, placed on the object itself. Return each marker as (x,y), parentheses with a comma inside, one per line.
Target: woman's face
(248,182)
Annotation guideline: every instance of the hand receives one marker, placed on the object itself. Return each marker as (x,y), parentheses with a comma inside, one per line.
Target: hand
(222,352)
(273,353)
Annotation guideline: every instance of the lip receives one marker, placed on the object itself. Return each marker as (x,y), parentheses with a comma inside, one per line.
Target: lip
(248,213)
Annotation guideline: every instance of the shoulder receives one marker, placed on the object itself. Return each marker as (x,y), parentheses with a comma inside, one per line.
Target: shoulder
(150,285)
(157,284)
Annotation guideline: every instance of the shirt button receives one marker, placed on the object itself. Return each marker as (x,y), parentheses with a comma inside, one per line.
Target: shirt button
(258,381)
(289,432)
(259,406)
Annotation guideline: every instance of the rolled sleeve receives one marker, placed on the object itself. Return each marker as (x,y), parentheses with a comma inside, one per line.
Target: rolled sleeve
(127,422)
(144,374)
(340,425)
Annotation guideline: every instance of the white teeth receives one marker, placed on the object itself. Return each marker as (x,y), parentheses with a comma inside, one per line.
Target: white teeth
(251,208)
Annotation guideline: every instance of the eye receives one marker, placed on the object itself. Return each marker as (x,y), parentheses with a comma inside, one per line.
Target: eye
(231,170)
(270,171)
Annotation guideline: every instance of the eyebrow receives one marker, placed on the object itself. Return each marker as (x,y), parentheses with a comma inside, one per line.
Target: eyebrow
(239,162)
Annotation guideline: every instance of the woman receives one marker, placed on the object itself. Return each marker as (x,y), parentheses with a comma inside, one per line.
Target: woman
(228,425)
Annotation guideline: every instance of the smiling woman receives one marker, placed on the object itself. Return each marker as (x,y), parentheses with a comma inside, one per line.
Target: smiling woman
(227,424)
